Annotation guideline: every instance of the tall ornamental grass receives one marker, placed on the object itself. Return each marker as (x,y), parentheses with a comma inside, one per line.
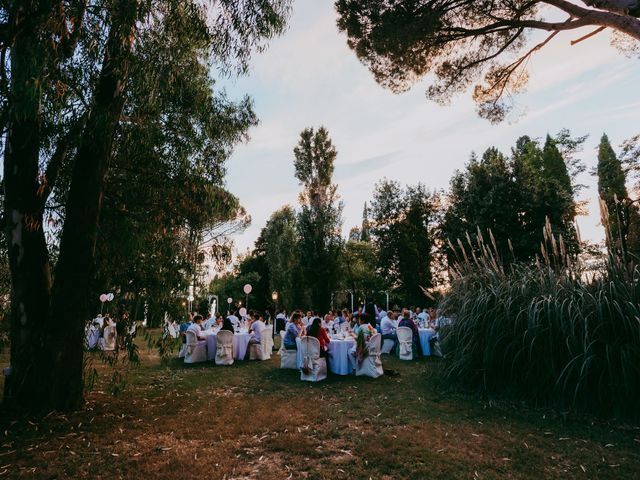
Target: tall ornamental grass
(548,332)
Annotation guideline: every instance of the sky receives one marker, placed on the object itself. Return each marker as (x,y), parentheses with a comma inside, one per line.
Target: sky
(309,78)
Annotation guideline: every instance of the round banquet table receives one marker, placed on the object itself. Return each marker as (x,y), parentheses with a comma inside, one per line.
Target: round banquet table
(240,344)
(212,343)
(426,334)
(338,355)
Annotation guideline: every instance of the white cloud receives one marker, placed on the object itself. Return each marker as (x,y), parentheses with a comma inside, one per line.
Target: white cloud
(309,77)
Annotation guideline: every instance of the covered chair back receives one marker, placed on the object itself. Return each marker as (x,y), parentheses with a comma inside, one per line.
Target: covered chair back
(371,364)
(224,350)
(405,343)
(262,350)
(313,368)
(282,334)
(196,351)
(108,341)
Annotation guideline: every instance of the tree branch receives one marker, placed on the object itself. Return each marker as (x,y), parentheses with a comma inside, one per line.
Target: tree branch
(50,176)
(621,22)
(615,6)
(588,35)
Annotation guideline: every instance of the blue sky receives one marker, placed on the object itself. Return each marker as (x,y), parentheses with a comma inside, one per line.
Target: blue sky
(309,77)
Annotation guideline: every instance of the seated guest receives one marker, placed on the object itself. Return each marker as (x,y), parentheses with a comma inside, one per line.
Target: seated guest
(196,327)
(317,331)
(365,327)
(306,321)
(363,333)
(354,320)
(234,320)
(327,322)
(210,321)
(257,325)
(407,322)
(227,325)
(219,321)
(433,317)
(388,330)
(295,329)
(184,326)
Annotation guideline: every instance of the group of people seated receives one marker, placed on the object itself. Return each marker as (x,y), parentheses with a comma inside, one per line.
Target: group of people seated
(382,321)
(195,322)
(365,322)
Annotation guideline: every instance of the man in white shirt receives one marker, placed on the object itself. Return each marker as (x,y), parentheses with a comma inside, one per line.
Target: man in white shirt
(388,328)
(256,327)
(306,321)
(423,315)
(196,327)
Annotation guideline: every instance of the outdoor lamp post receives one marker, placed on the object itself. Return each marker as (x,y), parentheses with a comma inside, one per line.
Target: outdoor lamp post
(274,297)
(387,294)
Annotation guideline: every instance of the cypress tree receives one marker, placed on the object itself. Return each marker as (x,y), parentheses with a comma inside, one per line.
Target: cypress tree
(365,232)
(623,217)
(557,194)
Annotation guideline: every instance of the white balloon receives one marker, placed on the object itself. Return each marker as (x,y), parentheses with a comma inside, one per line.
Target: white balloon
(110,297)
(103,297)
(247,289)
(229,300)
(243,312)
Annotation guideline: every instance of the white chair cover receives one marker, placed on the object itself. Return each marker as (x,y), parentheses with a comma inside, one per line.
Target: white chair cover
(196,351)
(371,364)
(315,366)
(387,345)
(289,359)
(282,334)
(92,336)
(108,341)
(224,350)
(172,331)
(262,350)
(405,341)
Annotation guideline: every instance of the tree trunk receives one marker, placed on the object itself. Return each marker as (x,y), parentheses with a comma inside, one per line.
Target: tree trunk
(28,257)
(74,272)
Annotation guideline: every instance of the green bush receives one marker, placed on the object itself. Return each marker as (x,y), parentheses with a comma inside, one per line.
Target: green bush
(551,333)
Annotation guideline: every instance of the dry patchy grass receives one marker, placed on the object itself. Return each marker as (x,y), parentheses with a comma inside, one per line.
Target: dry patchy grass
(254,421)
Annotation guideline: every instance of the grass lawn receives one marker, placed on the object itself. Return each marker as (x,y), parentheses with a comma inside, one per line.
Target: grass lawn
(253,420)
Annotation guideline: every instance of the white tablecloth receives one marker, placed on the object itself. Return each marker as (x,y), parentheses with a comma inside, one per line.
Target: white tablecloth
(240,344)
(338,356)
(212,344)
(425,335)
